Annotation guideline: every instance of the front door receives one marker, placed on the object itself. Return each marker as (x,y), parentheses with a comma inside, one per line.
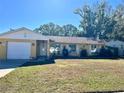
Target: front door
(43,48)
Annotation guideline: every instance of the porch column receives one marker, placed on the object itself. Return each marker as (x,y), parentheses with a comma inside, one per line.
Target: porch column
(61,48)
(89,50)
(48,48)
(78,49)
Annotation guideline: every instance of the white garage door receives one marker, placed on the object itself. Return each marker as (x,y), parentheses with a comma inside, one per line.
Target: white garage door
(18,50)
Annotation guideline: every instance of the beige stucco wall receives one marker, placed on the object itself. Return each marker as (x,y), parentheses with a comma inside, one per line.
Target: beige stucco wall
(33,49)
(3,47)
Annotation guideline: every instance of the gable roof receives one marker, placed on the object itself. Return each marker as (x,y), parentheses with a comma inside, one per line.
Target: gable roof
(17,30)
(32,36)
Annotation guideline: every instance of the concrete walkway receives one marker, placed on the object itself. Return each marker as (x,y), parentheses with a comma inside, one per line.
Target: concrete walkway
(4,72)
(10,65)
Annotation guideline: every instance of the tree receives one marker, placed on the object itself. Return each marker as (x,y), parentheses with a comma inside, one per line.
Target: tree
(87,21)
(118,31)
(52,29)
(93,20)
(49,29)
(102,21)
(70,30)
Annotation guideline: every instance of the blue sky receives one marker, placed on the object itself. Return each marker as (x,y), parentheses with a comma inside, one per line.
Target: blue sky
(33,13)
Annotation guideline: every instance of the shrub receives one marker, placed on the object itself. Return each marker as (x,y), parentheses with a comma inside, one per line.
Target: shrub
(83,53)
(106,52)
(65,52)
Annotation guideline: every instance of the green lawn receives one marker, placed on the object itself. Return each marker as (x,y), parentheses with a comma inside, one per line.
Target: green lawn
(66,76)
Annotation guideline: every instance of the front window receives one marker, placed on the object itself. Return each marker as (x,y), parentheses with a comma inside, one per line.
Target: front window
(93,47)
(72,48)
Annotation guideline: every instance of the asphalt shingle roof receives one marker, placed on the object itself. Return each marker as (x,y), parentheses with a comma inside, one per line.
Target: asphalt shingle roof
(73,40)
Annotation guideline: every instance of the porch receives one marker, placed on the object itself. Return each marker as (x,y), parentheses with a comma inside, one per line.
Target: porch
(74,49)
(46,48)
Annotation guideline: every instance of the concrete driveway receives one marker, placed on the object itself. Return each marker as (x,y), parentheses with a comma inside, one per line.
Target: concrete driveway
(10,65)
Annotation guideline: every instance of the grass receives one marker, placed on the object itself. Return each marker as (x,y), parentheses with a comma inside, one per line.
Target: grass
(66,76)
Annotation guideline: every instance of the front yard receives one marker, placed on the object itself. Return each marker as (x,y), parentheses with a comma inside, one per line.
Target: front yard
(66,76)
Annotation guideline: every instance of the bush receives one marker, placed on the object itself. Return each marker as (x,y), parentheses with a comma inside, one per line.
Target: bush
(53,56)
(83,53)
(65,52)
(105,52)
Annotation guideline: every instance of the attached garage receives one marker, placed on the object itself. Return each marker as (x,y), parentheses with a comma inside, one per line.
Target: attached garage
(18,50)
(20,44)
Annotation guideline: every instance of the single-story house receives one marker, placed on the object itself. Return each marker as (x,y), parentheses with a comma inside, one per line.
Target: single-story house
(116,44)
(24,43)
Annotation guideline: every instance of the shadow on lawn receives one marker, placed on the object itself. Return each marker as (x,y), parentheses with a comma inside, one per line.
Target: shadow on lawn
(12,64)
(119,91)
(42,61)
(52,60)
(34,63)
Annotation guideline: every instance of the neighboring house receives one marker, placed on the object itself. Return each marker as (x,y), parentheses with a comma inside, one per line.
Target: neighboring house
(23,43)
(117,44)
